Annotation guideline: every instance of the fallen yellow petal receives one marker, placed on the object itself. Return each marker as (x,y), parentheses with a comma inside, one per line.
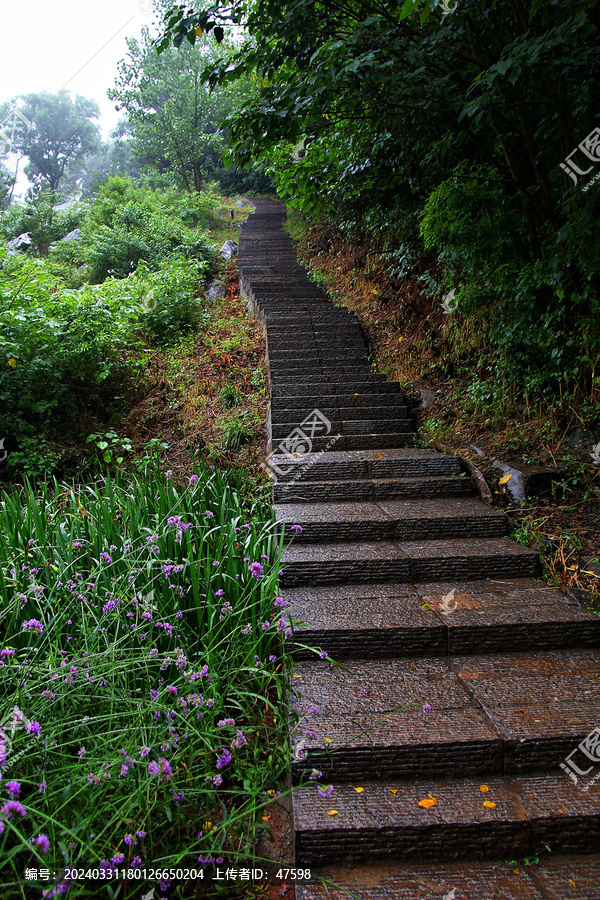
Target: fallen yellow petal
(505,479)
(427,802)
(426,606)
(394,791)
(484,788)
(359,790)
(329,740)
(332,812)
(199,31)
(266,818)
(489,804)
(572,883)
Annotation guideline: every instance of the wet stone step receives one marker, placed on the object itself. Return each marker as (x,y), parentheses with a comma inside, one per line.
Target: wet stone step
(353,426)
(358,442)
(504,714)
(553,878)
(371,464)
(391,520)
(406,561)
(311,491)
(396,620)
(385,820)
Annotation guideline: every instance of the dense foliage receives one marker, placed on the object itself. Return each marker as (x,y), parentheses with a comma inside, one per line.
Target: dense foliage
(72,323)
(444,133)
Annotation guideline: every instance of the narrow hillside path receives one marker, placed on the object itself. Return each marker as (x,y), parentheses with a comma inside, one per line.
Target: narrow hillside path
(464,683)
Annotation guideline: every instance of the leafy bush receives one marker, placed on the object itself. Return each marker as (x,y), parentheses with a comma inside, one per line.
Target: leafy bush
(171,298)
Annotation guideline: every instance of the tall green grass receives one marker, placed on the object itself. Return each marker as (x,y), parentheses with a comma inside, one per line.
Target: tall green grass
(143,676)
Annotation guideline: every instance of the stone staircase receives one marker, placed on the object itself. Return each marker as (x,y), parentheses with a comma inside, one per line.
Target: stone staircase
(459,681)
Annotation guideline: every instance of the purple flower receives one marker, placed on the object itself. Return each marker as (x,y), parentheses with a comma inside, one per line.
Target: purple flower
(224,759)
(297,528)
(172,689)
(325,792)
(105,558)
(219,593)
(223,722)
(193,479)
(141,834)
(427,708)
(323,654)
(153,768)
(256,570)
(41,842)
(209,514)
(42,787)
(33,625)
(33,728)
(313,710)
(76,545)
(239,740)
(144,751)
(217,780)
(13,789)
(247,629)
(13,806)
(129,839)
(81,752)
(315,775)
(117,858)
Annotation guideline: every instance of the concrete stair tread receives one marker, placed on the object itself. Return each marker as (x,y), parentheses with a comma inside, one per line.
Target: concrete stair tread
(367,550)
(496,714)
(385,510)
(554,878)
(385,820)
(374,620)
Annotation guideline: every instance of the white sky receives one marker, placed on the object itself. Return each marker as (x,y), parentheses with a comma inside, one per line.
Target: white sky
(68,43)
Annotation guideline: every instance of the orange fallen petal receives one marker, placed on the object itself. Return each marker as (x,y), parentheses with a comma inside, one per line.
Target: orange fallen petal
(562,810)
(394,791)
(572,883)
(484,788)
(488,804)
(332,812)
(266,818)
(359,790)
(427,802)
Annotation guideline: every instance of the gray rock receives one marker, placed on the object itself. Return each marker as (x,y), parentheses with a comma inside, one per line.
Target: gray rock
(8,255)
(222,214)
(74,235)
(214,291)
(228,250)
(239,203)
(528,481)
(477,450)
(22,242)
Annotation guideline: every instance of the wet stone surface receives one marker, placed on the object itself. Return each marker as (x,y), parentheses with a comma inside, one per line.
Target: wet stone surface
(462,683)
